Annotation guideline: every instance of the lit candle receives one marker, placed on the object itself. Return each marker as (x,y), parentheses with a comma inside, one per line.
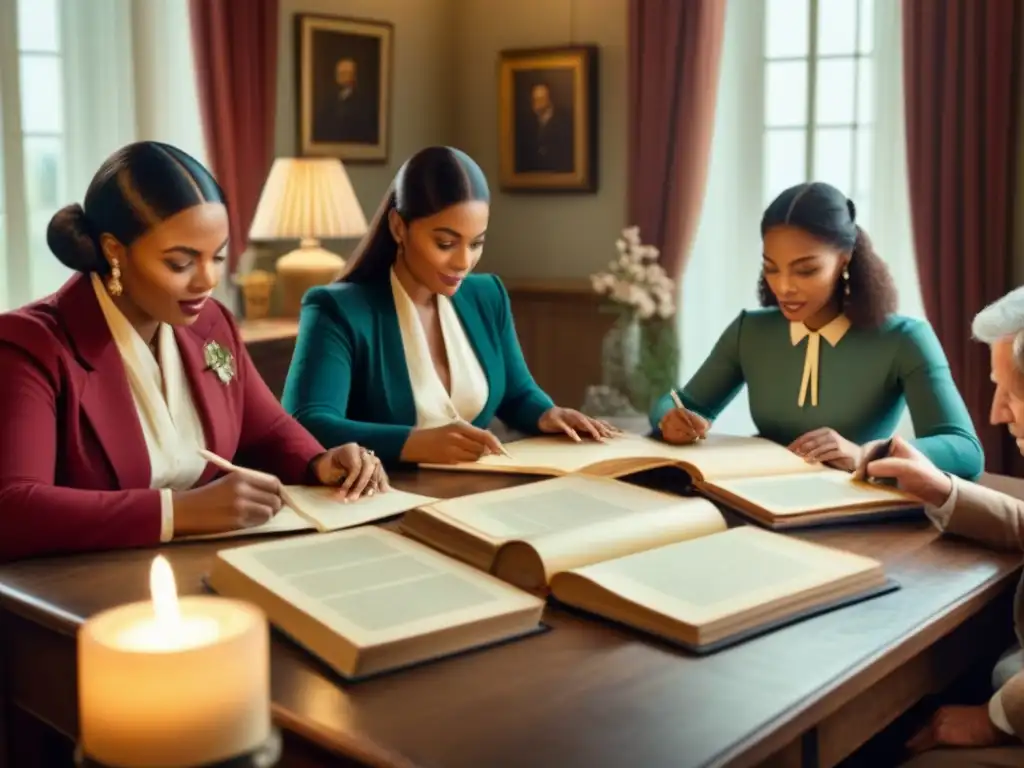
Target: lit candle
(173,682)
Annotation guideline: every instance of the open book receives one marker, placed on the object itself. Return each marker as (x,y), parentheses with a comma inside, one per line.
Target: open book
(321,508)
(366,601)
(527,533)
(757,477)
(315,508)
(657,562)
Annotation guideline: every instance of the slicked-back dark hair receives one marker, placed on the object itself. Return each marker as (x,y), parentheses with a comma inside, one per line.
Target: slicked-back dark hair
(433,179)
(137,187)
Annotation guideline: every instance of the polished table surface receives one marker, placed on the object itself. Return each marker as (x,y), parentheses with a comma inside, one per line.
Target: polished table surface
(586,693)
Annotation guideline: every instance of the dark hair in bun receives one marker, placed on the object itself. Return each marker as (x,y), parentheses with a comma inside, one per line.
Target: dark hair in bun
(136,188)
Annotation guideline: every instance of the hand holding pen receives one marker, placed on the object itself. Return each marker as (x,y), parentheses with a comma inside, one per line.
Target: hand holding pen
(681,426)
(907,468)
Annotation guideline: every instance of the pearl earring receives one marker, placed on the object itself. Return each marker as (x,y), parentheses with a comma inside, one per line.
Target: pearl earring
(846,280)
(114,286)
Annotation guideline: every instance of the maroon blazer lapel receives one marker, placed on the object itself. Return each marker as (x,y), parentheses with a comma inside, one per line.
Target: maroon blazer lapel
(106,398)
(212,397)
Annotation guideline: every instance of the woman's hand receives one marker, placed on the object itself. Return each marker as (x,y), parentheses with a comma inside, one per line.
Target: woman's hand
(238,500)
(451,444)
(573,423)
(680,427)
(354,468)
(826,446)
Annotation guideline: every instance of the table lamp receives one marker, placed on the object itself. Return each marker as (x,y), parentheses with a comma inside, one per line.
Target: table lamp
(308,199)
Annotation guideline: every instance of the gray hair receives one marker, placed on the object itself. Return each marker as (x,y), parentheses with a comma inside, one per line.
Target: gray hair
(1002,319)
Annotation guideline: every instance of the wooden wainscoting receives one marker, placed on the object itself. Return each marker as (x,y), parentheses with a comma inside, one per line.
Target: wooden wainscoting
(560,328)
(271,343)
(559,324)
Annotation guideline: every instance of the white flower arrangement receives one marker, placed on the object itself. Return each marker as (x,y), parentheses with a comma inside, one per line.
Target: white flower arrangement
(635,279)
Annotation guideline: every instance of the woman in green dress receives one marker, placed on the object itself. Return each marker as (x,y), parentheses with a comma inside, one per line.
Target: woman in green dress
(828,364)
(413,349)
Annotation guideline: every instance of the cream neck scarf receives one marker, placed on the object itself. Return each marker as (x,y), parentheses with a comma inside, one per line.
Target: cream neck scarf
(170,423)
(833,332)
(434,405)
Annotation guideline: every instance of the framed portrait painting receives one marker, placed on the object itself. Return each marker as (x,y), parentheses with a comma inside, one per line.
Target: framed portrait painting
(343,69)
(547,118)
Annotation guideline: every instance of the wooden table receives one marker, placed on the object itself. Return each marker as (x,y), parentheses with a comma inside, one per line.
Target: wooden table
(585,693)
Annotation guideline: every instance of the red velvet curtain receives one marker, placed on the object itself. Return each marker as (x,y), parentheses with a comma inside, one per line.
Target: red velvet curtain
(963,90)
(675,47)
(235,46)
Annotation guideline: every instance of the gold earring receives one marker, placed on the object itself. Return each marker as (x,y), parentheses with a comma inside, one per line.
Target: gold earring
(846,280)
(114,286)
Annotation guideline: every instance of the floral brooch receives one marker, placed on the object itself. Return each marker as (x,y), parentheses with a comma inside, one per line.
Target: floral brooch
(220,361)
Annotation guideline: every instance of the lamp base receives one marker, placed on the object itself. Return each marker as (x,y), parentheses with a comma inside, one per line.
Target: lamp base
(266,755)
(307,266)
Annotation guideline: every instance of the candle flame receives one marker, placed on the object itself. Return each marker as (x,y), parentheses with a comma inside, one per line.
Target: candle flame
(164,593)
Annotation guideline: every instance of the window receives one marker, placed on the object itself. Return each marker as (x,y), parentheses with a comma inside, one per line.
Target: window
(75,63)
(32,163)
(819,96)
(40,67)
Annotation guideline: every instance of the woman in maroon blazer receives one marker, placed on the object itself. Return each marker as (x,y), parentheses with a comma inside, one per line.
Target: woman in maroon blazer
(111,387)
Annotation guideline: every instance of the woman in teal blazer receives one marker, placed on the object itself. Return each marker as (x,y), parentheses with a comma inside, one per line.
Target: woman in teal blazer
(828,365)
(409,353)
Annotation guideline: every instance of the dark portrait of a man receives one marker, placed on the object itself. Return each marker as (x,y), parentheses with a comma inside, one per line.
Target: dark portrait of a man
(346,88)
(544,121)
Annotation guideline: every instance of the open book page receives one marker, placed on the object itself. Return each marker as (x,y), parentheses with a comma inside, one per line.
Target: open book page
(719,456)
(325,508)
(287,520)
(797,494)
(741,571)
(373,587)
(579,519)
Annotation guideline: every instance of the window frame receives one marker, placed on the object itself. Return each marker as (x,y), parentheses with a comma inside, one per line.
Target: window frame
(810,126)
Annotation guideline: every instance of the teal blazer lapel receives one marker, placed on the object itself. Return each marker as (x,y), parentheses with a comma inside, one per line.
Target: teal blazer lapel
(392,370)
(486,353)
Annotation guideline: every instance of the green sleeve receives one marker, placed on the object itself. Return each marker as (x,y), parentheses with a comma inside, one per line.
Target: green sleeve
(943,428)
(714,385)
(319,381)
(524,402)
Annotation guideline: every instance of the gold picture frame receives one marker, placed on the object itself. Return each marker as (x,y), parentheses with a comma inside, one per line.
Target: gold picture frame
(343,86)
(547,119)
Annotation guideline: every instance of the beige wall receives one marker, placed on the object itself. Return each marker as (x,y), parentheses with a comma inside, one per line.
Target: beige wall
(445,92)
(422,82)
(539,236)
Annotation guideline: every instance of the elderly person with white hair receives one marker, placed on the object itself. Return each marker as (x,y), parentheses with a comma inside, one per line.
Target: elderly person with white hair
(989,734)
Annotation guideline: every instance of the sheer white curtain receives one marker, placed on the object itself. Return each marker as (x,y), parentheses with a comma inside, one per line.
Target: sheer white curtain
(721,277)
(78,79)
(890,213)
(166,96)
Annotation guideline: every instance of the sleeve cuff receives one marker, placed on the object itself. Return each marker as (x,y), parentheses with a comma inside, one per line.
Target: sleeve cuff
(940,515)
(166,515)
(997,714)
